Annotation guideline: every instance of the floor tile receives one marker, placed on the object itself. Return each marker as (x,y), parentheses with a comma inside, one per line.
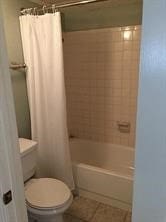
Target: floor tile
(83,208)
(107,213)
(70,218)
(128,218)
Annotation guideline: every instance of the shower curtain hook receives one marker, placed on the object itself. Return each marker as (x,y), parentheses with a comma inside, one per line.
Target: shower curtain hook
(29,11)
(34,11)
(53,9)
(44,11)
(25,12)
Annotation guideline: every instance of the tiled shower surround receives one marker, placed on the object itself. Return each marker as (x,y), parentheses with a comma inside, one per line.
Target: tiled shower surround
(101,74)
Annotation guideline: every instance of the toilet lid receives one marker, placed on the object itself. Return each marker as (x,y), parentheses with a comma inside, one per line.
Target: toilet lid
(47,193)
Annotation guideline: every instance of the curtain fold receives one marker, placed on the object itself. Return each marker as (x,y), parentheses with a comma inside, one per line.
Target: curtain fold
(43,54)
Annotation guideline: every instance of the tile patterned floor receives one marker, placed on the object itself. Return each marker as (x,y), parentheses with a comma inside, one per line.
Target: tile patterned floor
(70,218)
(85,210)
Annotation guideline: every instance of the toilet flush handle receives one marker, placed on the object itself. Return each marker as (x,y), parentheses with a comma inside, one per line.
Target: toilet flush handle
(7,197)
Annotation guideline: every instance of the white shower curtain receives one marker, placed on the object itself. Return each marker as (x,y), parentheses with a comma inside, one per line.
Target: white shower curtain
(43,54)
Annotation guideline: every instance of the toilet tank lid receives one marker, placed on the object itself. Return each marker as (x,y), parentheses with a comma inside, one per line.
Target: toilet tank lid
(26,146)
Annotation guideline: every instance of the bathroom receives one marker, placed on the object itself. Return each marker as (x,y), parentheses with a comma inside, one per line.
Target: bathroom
(97,117)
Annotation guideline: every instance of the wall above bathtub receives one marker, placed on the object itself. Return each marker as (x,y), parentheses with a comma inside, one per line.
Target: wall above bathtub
(102,15)
(101,73)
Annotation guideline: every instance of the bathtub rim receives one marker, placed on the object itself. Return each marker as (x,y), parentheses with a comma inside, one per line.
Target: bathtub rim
(103,170)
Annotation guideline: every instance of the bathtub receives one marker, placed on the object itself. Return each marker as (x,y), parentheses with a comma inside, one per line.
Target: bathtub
(103,172)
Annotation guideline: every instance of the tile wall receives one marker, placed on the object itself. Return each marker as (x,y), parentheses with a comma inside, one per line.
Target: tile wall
(101,75)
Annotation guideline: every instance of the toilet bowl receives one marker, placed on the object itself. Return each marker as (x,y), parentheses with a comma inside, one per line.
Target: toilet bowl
(46,198)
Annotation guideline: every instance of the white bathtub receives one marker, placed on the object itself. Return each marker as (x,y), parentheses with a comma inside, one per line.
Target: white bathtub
(103,172)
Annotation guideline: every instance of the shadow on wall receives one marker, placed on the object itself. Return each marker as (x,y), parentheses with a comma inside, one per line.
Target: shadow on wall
(11,12)
(21,103)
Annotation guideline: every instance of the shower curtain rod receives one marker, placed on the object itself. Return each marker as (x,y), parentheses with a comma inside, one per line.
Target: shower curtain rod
(54,6)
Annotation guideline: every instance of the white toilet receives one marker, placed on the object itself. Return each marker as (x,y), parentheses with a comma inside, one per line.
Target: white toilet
(46,198)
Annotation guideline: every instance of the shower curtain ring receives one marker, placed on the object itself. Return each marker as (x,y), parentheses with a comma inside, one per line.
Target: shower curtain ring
(24,12)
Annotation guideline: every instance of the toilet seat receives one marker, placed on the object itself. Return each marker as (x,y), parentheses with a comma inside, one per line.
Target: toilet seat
(47,194)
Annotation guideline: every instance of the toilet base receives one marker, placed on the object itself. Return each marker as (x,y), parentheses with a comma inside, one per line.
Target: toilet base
(54,218)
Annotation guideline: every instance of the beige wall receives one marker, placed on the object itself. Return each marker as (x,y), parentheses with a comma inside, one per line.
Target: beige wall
(101,72)
(11,12)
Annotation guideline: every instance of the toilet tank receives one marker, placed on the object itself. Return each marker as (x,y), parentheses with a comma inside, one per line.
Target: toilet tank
(28,150)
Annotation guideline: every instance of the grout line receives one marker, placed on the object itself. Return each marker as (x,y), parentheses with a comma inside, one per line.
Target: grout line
(95,211)
(83,220)
(76,217)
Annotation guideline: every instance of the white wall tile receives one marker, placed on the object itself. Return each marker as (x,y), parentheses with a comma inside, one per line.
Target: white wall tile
(101,75)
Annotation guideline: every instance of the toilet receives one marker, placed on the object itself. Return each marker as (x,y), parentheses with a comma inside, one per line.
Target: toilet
(46,198)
